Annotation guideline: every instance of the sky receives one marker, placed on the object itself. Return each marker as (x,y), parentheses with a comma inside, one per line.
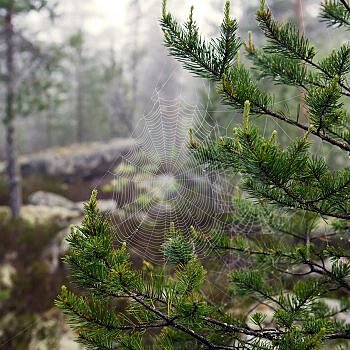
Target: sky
(111,20)
(115,12)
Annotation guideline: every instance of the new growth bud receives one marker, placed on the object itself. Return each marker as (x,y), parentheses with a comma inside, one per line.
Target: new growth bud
(250,47)
(193,142)
(190,23)
(227,13)
(307,134)
(164,8)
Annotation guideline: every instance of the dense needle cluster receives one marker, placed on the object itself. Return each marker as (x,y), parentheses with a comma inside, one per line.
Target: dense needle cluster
(300,271)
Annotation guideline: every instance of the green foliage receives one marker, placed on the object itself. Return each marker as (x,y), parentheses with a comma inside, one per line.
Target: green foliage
(155,301)
(291,290)
(283,38)
(23,5)
(177,248)
(336,13)
(204,59)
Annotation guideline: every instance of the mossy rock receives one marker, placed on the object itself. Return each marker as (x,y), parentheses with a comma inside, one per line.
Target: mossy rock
(38,214)
(115,185)
(125,169)
(5,213)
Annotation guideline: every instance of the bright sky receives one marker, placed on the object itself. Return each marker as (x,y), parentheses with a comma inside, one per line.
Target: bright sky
(116,13)
(110,20)
(114,17)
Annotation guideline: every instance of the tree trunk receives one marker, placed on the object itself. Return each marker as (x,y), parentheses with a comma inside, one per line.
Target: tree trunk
(79,106)
(48,123)
(135,62)
(48,129)
(12,171)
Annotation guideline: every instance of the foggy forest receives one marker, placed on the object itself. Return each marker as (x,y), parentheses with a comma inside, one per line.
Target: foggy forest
(174,174)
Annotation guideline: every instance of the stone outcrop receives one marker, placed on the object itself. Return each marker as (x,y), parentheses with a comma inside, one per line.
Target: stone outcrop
(39,214)
(57,247)
(106,206)
(49,199)
(84,160)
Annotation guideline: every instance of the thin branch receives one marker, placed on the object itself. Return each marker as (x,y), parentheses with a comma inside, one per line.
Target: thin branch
(270,334)
(172,323)
(341,145)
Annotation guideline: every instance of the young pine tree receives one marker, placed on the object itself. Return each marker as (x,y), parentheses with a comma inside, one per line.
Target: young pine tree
(300,271)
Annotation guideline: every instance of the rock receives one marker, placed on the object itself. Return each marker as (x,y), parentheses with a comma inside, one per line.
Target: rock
(58,247)
(5,213)
(49,199)
(77,161)
(7,321)
(7,271)
(266,310)
(52,333)
(335,304)
(68,342)
(39,214)
(106,206)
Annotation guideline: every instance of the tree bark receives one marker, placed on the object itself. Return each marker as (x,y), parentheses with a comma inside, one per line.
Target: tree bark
(79,106)
(48,123)
(12,170)
(135,61)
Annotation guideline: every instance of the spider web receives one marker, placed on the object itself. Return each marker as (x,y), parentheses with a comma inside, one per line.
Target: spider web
(159,182)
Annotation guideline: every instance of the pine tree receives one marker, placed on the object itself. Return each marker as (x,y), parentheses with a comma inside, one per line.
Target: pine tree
(296,269)
(14,41)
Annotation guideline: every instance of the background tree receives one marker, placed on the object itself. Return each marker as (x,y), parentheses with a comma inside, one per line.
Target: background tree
(295,269)
(14,40)
(117,98)
(76,43)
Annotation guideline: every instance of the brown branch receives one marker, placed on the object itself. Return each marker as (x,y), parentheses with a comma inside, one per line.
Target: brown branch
(270,334)
(171,322)
(341,145)
(345,335)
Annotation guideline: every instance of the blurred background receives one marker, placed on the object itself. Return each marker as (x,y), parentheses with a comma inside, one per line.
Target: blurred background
(84,74)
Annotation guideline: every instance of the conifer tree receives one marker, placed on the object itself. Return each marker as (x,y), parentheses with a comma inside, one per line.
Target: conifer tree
(14,42)
(296,269)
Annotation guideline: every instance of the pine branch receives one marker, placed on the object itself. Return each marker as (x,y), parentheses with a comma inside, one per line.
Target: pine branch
(237,86)
(284,38)
(270,334)
(174,324)
(335,13)
(190,49)
(286,271)
(342,145)
(346,5)
(328,75)
(228,44)
(287,39)
(293,258)
(284,70)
